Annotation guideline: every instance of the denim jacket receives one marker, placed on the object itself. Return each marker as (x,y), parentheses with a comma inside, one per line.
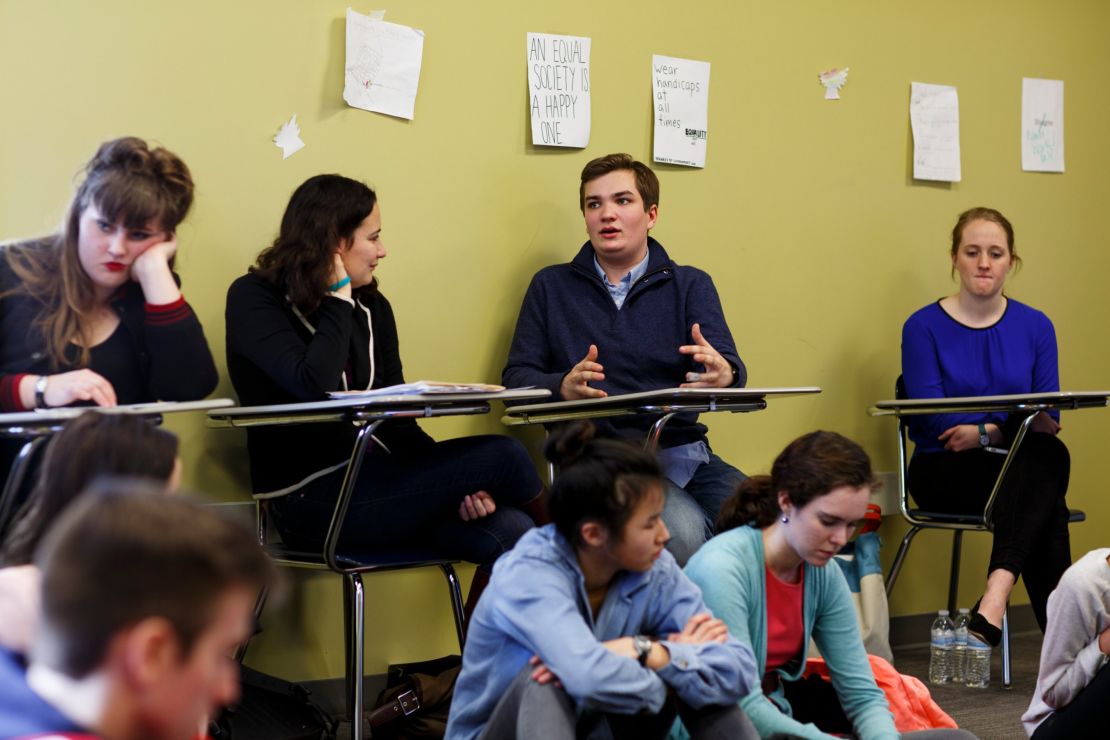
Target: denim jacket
(536,604)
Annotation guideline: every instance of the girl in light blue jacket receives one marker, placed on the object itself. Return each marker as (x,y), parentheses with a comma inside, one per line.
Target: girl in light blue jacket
(589,628)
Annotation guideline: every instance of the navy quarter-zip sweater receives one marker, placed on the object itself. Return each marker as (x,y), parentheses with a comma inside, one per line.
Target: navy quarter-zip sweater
(567,308)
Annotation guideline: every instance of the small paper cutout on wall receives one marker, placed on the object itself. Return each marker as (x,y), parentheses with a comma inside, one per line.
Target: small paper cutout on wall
(833,79)
(288,138)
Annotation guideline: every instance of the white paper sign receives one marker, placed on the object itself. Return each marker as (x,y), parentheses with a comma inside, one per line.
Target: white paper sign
(1042,125)
(680,89)
(383,65)
(935,121)
(559,89)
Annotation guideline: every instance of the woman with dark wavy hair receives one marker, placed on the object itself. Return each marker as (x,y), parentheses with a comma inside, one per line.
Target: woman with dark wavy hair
(308,319)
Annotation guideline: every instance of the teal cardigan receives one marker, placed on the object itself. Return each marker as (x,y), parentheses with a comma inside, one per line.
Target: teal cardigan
(730,571)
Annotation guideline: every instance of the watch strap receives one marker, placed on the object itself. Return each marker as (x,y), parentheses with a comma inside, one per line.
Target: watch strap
(40,391)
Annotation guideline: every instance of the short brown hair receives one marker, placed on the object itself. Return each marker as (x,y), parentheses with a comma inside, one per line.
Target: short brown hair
(646,182)
(124,552)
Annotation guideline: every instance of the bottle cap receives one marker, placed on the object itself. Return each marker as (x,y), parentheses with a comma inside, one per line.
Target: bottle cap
(964,610)
(943,612)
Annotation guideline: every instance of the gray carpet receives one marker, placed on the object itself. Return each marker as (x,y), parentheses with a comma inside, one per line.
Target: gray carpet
(992,712)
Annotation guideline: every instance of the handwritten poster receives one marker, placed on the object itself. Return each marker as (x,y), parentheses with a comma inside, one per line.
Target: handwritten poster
(935,122)
(1042,125)
(383,65)
(681,91)
(559,89)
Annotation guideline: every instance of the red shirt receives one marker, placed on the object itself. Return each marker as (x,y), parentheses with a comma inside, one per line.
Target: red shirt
(785,628)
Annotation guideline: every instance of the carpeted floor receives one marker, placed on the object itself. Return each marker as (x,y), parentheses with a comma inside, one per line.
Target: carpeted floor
(992,713)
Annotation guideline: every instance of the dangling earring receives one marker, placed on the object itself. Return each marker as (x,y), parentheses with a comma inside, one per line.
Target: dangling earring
(785,519)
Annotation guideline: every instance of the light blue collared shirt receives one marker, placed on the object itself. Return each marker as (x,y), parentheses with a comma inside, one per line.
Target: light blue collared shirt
(620,290)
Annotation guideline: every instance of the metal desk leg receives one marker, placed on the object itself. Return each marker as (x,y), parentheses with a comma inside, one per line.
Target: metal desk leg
(652,442)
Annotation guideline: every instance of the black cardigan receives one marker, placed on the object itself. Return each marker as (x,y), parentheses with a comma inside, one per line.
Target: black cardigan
(272,358)
(161,347)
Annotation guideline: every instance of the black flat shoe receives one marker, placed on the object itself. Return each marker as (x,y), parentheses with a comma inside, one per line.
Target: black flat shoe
(983,630)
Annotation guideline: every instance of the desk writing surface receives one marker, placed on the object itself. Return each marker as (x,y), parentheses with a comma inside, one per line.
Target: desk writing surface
(65,413)
(378,402)
(1054,399)
(663,395)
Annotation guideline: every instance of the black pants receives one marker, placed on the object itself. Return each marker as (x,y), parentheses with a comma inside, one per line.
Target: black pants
(1030,514)
(1087,715)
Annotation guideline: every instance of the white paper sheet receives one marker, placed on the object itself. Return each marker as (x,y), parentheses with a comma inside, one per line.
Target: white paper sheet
(288,138)
(680,88)
(559,89)
(1042,125)
(383,65)
(935,121)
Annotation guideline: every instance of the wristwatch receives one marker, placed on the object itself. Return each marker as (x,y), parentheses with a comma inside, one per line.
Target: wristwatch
(642,645)
(40,392)
(984,438)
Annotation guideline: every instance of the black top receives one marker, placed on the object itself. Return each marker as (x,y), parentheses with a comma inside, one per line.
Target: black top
(273,357)
(158,353)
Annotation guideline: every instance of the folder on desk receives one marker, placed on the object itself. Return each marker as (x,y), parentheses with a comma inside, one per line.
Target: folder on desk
(420,388)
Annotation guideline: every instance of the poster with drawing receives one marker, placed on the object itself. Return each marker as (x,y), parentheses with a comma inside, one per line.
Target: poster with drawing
(382,70)
(559,89)
(1042,125)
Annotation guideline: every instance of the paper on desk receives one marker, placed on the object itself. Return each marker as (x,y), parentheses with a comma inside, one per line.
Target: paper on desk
(559,89)
(935,122)
(1042,125)
(383,65)
(681,106)
(419,388)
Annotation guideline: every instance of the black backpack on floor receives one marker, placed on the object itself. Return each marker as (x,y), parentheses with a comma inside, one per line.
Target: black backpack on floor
(272,709)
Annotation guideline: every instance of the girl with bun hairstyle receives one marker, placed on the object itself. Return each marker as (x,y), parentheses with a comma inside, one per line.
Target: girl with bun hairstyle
(588,627)
(767,575)
(94,313)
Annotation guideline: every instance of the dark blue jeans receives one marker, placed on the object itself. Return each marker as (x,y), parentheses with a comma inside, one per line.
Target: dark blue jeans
(412,501)
(690,512)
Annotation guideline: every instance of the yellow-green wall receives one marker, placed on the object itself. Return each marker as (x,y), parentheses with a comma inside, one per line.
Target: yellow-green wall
(806,215)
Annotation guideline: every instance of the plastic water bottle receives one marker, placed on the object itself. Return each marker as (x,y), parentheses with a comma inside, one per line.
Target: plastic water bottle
(977,673)
(959,654)
(941,647)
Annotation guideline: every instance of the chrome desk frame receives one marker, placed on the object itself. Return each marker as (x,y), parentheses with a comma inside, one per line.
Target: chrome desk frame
(38,426)
(1029,405)
(664,403)
(366,414)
